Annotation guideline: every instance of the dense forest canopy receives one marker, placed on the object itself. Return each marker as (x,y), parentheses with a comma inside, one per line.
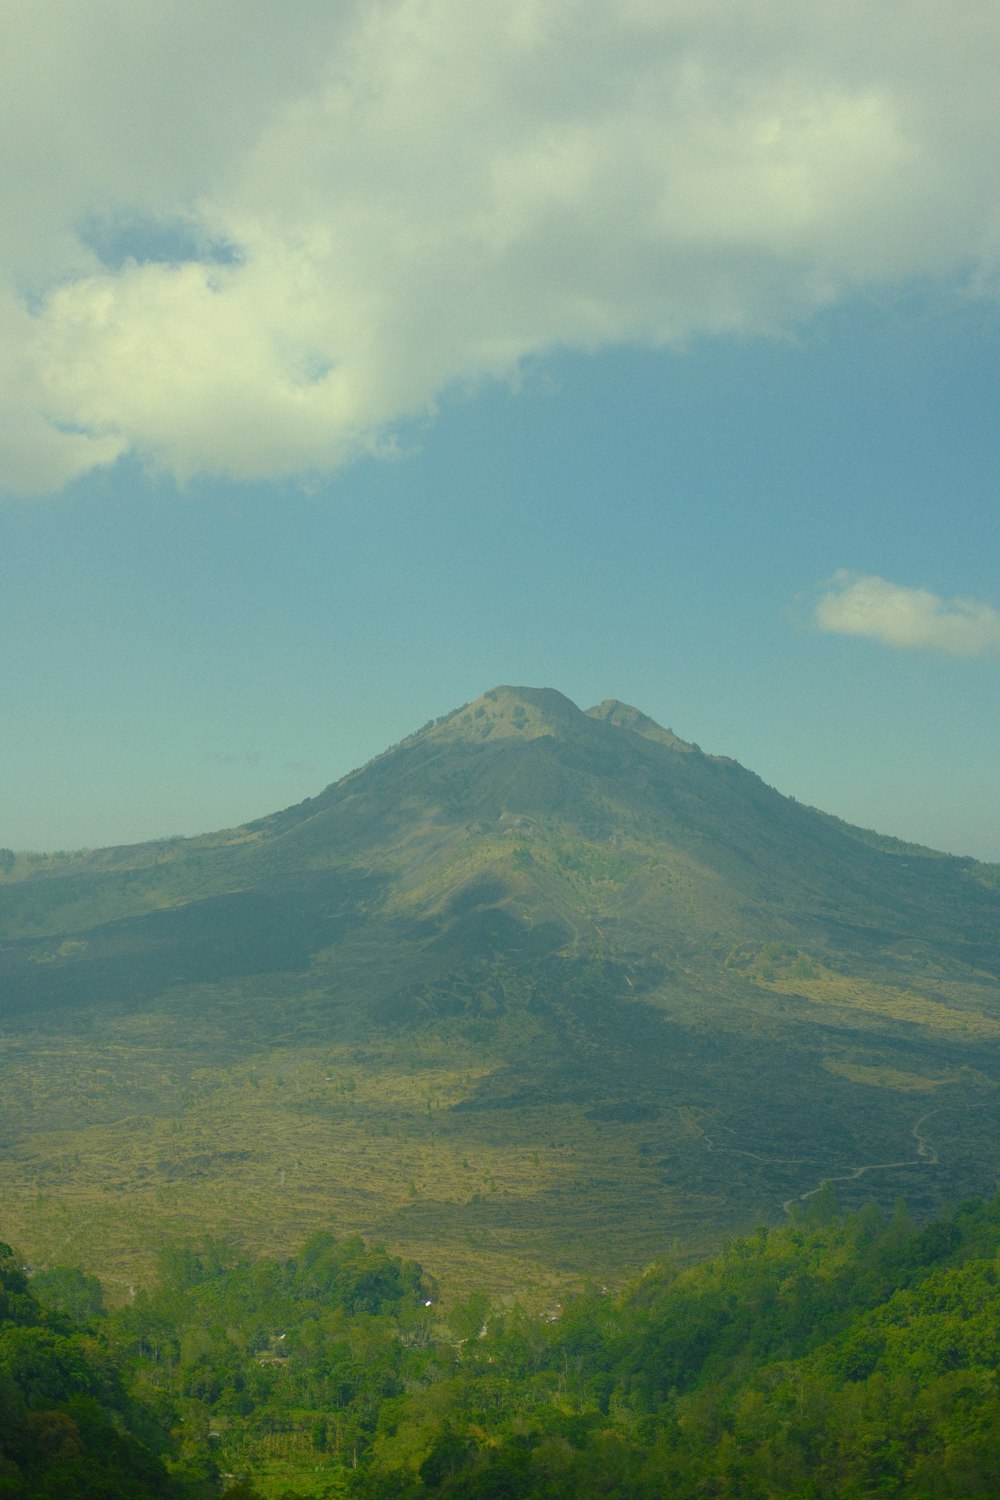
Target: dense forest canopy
(851,1355)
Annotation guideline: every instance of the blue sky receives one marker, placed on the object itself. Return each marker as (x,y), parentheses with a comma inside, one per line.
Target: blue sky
(632,350)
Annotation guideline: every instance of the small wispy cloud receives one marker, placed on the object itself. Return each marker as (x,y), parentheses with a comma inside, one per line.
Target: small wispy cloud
(853,604)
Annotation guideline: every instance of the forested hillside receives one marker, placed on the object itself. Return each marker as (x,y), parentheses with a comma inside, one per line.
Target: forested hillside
(850,1356)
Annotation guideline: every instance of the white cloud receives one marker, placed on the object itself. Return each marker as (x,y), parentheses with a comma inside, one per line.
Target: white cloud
(897,616)
(423,192)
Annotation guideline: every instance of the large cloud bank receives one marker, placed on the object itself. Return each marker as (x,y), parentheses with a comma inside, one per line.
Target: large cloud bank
(906,617)
(249,238)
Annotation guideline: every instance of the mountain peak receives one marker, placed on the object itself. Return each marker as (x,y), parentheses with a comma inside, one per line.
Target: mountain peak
(546,701)
(505,712)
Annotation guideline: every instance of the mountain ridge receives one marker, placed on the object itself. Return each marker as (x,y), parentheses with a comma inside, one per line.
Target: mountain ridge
(594,989)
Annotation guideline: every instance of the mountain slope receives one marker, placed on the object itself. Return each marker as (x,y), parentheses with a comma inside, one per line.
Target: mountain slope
(533,991)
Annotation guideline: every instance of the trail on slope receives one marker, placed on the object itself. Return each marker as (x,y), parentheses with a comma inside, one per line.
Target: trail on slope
(926,1156)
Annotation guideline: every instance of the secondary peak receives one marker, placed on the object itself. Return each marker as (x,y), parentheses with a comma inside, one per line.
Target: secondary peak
(624,716)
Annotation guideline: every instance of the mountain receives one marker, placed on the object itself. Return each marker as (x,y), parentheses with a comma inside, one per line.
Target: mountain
(535,993)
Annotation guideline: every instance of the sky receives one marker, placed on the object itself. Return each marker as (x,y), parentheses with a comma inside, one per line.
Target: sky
(357,358)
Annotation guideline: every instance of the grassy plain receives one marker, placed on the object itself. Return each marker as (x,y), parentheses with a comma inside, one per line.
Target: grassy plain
(117,1139)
